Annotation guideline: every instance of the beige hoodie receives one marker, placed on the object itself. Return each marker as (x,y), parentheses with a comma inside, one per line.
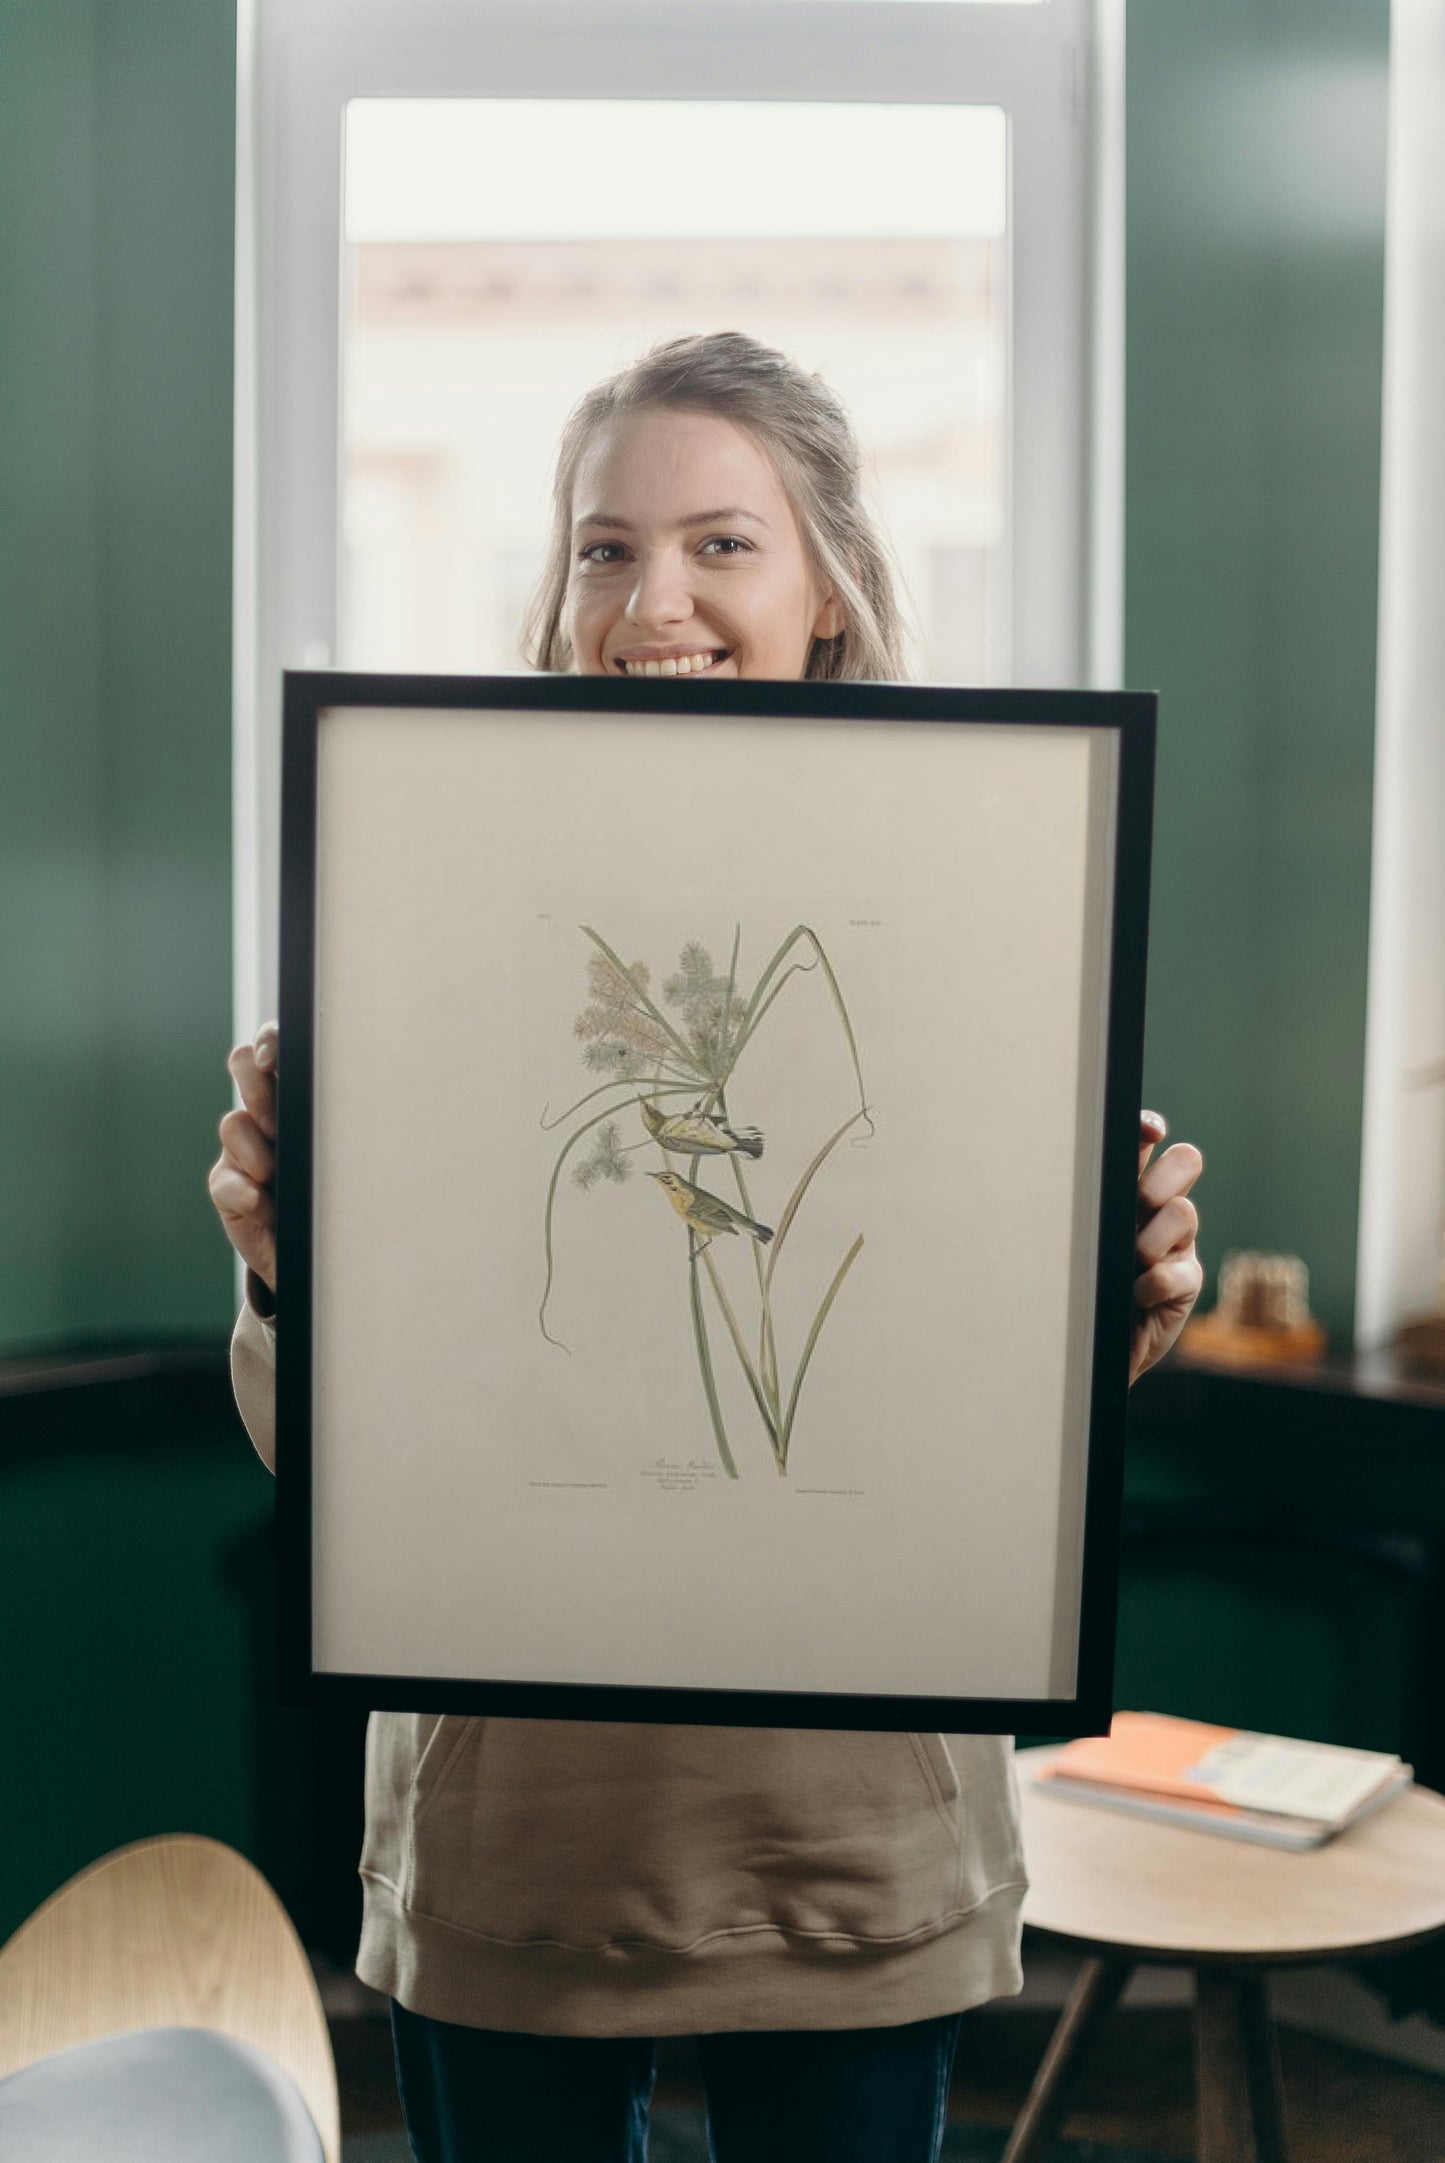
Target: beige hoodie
(579,1878)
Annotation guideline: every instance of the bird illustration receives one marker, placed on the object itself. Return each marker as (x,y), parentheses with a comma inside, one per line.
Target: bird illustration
(707,1214)
(697,1133)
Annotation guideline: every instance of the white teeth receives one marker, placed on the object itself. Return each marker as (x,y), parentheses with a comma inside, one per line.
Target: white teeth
(686,664)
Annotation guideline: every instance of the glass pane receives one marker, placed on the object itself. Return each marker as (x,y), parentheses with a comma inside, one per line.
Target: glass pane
(503,256)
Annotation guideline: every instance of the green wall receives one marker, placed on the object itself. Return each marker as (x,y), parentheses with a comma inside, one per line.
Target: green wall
(1255,268)
(116,156)
(51,741)
(1255,264)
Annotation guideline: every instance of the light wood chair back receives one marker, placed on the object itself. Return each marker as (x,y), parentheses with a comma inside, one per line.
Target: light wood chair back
(176,1932)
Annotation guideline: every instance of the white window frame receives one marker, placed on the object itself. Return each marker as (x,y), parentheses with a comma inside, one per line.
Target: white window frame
(1049,67)
(1402,1163)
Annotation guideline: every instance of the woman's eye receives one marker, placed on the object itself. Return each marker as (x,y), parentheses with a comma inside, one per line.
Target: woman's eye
(726,544)
(602,552)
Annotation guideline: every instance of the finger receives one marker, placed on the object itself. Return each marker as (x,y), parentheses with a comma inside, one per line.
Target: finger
(1168,1231)
(1173,1173)
(1176,1281)
(1153,1126)
(244,1145)
(236,1196)
(267,1046)
(257,1088)
(248,1218)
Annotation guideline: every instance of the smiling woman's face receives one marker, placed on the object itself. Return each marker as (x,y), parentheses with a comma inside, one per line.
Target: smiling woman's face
(686,556)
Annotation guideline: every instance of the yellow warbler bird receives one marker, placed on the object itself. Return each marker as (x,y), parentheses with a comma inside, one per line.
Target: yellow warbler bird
(697,1133)
(707,1214)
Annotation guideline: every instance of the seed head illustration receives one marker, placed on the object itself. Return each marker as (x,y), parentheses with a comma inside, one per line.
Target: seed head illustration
(698,1133)
(707,1214)
(617,1026)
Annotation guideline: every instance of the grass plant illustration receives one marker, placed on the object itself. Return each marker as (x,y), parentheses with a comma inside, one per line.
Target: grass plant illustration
(668,1063)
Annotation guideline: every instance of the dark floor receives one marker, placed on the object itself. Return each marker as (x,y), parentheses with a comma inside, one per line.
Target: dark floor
(1343,2105)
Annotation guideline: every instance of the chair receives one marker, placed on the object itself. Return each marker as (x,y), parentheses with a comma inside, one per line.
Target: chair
(161,1987)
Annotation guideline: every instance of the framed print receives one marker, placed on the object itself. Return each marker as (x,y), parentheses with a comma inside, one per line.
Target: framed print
(708,1139)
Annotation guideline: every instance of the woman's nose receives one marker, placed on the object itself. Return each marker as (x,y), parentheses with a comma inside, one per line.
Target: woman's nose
(661,594)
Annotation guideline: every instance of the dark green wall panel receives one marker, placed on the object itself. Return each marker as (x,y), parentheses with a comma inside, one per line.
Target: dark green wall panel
(130,1691)
(138,1695)
(1293,1632)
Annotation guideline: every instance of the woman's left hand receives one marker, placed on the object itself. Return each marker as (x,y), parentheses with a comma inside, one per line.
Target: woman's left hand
(1168,1273)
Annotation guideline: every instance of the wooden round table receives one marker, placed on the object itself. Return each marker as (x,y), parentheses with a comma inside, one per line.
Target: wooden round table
(1125,1890)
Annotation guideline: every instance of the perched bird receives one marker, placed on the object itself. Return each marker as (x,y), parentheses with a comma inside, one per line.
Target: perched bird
(698,1133)
(707,1214)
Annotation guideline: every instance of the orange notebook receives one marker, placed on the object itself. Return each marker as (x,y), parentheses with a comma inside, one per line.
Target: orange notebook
(1155,1754)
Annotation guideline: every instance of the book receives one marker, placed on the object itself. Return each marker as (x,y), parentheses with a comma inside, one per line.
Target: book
(1266,1828)
(1273,1789)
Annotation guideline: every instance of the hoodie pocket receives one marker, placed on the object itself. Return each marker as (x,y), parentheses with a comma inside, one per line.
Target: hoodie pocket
(405,1754)
(452,1736)
(584,1836)
(439,1754)
(941,1775)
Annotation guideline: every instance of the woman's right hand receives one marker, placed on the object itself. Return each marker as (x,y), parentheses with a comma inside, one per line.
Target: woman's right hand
(241,1179)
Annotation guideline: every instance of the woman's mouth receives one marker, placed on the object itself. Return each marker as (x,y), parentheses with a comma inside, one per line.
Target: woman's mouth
(682,664)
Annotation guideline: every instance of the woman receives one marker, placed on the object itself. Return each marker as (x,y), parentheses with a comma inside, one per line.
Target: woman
(544,1898)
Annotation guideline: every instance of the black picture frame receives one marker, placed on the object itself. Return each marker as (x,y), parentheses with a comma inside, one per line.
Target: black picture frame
(1131,719)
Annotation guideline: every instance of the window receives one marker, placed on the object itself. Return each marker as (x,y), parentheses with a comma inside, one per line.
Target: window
(903,193)
(505,254)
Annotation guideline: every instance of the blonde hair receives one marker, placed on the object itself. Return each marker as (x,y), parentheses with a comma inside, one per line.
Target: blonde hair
(804,428)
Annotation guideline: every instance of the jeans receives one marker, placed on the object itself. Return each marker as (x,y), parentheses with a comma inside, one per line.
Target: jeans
(847,2095)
